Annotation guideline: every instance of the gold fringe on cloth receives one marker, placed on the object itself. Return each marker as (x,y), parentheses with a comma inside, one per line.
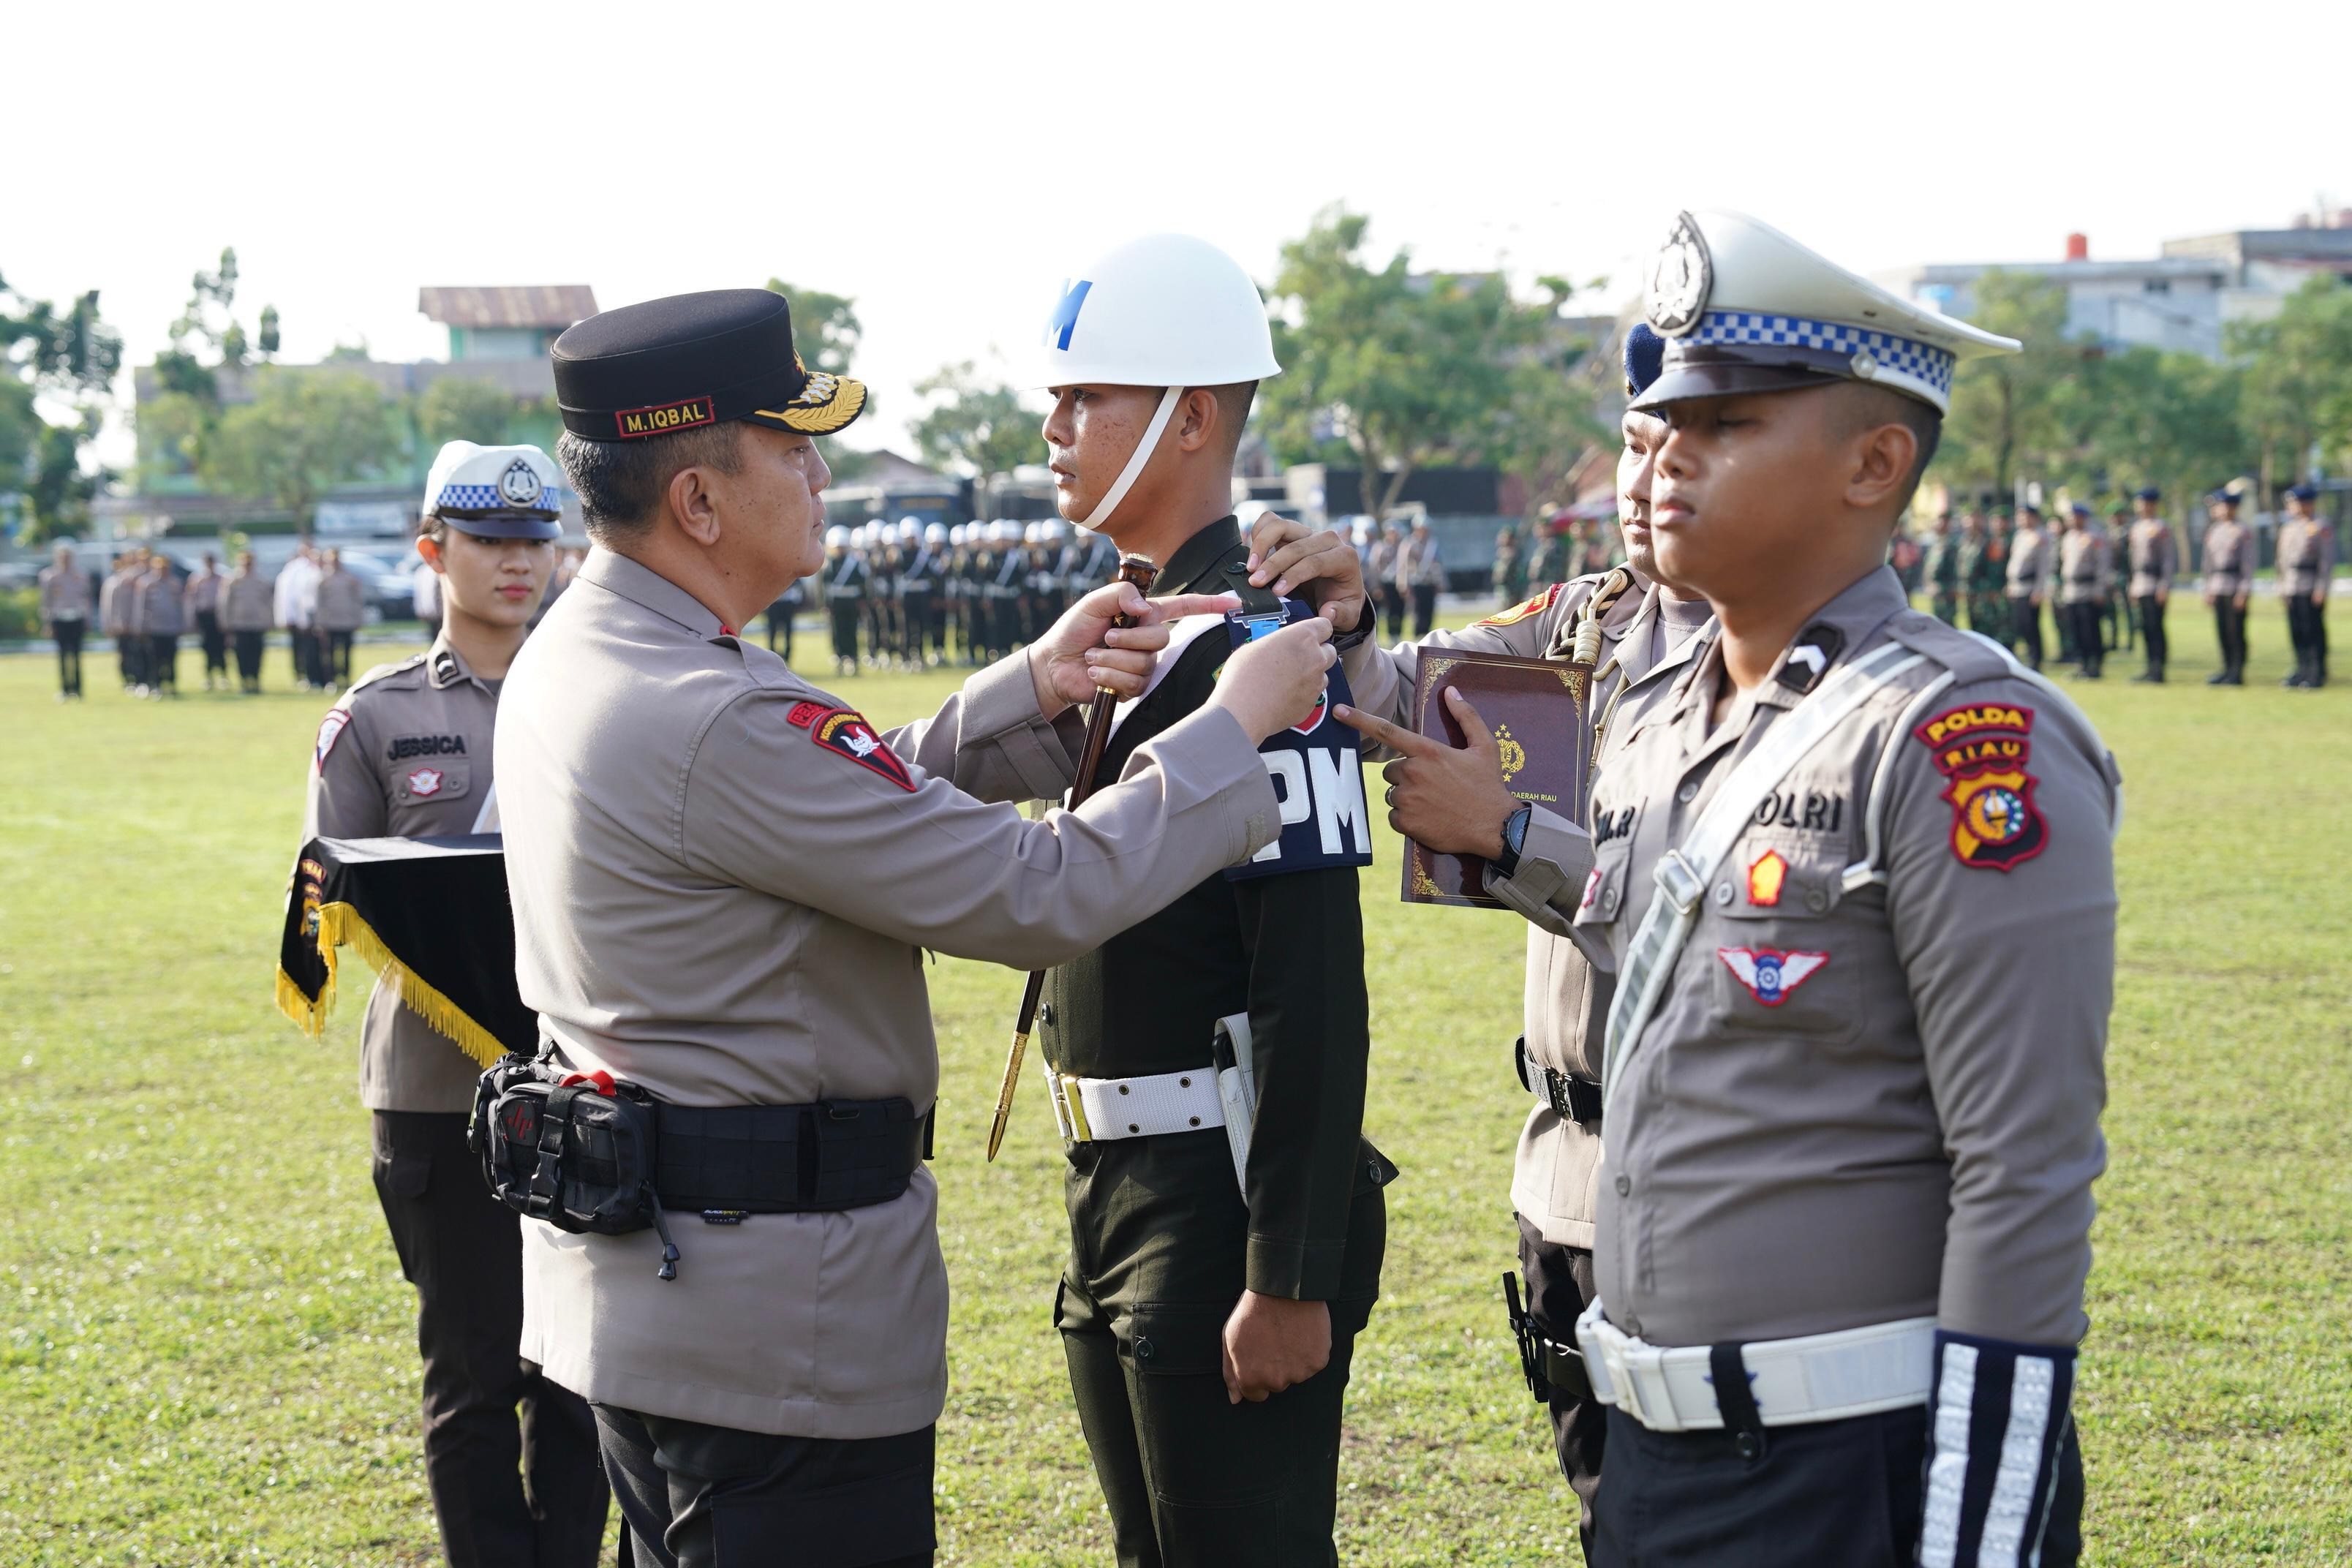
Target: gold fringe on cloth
(340,925)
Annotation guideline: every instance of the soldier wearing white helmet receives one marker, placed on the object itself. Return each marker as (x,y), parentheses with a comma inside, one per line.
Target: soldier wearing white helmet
(1226,1249)
(1002,590)
(920,573)
(407,753)
(844,580)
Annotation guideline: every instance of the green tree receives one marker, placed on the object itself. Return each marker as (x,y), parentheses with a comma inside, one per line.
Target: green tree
(1402,370)
(2140,416)
(2297,405)
(2005,414)
(69,357)
(459,408)
(976,428)
(303,433)
(825,326)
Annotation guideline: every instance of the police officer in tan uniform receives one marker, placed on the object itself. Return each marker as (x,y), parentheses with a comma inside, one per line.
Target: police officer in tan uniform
(2031,556)
(157,619)
(343,610)
(2306,564)
(2154,558)
(2085,573)
(65,610)
(1844,1202)
(246,601)
(2229,561)
(1558,1059)
(406,753)
(724,880)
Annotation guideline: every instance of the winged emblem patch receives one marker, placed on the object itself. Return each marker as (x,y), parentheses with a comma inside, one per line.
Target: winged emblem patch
(1770,975)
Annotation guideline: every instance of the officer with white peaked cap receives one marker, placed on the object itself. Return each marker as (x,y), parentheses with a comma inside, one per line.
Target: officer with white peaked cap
(1855,880)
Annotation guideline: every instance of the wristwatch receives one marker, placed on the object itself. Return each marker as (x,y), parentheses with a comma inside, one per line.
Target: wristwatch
(1365,623)
(1515,839)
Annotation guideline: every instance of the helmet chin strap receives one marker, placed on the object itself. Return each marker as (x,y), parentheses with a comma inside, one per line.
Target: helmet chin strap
(1135,462)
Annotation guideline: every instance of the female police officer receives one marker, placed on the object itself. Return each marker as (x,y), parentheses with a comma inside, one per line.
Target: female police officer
(406,753)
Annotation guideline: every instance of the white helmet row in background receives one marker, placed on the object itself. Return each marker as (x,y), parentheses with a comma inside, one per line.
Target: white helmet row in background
(907,531)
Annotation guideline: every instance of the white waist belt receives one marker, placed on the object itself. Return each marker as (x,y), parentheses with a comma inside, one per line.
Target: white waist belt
(1819,1377)
(1104,1109)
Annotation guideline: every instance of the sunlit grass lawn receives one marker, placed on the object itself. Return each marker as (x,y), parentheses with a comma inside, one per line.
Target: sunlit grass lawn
(209,1353)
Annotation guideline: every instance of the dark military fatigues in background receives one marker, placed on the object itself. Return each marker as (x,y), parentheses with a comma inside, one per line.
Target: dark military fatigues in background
(406,753)
(1939,569)
(1162,1243)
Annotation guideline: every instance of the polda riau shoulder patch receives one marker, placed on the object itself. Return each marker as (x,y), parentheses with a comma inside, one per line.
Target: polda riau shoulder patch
(330,730)
(1535,606)
(1982,749)
(845,733)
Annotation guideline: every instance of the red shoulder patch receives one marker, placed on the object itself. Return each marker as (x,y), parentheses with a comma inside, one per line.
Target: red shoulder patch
(846,733)
(804,714)
(1520,611)
(1982,752)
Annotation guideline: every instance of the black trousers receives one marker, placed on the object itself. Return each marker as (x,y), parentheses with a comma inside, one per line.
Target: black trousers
(509,1491)
(69,635)
(2306,627)
(1425,608)
(164,660)
(1832,1494)
(2151,626)
(779,625)
(1392,607)
(2025,631)
(248,657)
(697,1496)
(215,645)
(1559,1287)
(915,625)
(335,657)
(2090,649)
(131,657)
(2230,624)
(844,613)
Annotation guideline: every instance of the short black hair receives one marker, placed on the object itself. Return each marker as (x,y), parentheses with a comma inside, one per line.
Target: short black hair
(1868,406)
(1233,400)
(620,483)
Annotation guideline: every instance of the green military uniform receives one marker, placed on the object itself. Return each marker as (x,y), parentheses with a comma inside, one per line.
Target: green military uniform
(1982,577)
(1162,1241)
(1941,572)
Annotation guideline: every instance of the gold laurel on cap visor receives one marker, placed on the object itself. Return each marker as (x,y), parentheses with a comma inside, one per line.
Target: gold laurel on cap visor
(827,404)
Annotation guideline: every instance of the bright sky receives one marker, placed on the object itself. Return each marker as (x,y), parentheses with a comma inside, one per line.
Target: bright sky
(948,165)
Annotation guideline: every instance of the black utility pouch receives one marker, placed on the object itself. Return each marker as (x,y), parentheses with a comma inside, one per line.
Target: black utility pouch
(575,1151)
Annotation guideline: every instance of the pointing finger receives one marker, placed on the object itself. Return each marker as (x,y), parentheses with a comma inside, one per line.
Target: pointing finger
(1176,607)
(1474,728)
(1381,733)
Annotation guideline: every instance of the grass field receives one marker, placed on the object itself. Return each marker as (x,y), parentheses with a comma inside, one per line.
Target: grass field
(209,1353)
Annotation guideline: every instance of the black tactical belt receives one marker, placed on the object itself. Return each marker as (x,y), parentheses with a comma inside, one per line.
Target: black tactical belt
(731,1161)
(1571,1099)
(588,1152)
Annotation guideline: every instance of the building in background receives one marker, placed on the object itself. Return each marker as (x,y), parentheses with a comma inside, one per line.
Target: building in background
(2182,300)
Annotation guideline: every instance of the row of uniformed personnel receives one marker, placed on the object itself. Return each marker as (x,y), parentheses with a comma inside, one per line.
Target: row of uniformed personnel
(923,593)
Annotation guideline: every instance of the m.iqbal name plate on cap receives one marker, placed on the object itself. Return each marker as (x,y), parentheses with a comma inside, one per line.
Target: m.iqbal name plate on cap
(1537,707)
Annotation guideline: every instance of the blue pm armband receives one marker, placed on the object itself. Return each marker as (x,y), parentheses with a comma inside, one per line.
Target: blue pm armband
(1318,772)
(1998,1420)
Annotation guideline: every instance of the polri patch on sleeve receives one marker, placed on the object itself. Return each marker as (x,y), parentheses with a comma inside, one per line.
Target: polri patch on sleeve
(330,730)
(1535,606)
(846,733)
(1318,779)
(1982,749)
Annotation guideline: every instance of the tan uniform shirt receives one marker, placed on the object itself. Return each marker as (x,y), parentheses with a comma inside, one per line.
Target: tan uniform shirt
(343,602)
(65,594)
(405,754)
(2306,556)
(1867,1095)
(246,600)
(156,606)
(2155,557)
(2228,560)
(114,602)
(203,593)
(2029,566)
(1565,1003)
(2085,567)
(724,884)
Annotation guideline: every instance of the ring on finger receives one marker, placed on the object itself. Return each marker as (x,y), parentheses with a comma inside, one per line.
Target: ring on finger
(1388,796)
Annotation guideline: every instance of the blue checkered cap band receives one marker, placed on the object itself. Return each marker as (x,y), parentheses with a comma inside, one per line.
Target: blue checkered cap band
(1927,368)
(486,497)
